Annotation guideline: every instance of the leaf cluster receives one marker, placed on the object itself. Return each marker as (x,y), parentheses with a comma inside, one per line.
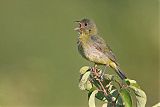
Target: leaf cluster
(110,89)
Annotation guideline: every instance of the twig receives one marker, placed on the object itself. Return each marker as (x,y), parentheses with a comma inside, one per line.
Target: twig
(95,72)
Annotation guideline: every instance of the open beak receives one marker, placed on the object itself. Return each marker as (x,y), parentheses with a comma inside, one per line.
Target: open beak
(77,28)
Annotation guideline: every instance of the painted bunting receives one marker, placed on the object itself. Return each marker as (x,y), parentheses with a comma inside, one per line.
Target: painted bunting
(93,48)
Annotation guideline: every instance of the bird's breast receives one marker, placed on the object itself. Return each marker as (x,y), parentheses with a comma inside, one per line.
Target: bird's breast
(89,52)
(81,48)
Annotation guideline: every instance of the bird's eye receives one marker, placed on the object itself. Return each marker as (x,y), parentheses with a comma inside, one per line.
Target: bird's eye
(85,24)
(79,25)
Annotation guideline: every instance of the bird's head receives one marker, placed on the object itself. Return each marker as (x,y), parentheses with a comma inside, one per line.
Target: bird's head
(86,26)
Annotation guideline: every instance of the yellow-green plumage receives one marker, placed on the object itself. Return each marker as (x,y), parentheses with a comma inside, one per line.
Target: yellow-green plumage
(93,48)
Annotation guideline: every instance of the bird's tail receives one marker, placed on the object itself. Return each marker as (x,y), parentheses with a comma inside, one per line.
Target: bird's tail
(120,73)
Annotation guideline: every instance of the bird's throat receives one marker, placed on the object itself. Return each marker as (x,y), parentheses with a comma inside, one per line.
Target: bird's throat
(84,37)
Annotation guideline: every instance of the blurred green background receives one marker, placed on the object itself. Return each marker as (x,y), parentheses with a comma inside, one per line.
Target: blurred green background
(39,62)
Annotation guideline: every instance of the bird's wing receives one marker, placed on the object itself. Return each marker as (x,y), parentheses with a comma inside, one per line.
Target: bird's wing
(100,45)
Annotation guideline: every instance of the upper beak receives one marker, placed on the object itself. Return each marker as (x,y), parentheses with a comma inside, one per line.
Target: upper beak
(77,21)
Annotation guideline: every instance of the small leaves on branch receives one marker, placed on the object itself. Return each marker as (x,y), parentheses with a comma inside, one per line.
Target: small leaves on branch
(110,89)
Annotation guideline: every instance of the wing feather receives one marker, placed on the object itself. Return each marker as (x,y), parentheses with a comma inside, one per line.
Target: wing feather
(100,45)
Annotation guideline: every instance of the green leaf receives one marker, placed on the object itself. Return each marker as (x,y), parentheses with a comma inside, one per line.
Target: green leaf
(126,97)
(88,85)
(84,69)
(108,76)
(132,83)
(92,99)
(83,80)
(100,95)
(157,105)
(105,105)
(140,96)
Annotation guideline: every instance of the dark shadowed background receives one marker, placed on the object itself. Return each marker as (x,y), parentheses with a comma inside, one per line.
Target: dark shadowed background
(39,62)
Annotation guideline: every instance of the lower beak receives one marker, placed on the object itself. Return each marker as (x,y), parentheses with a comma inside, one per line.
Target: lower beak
(77,29)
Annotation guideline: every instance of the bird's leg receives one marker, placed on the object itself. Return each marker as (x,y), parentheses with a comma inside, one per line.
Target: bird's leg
(107,65)
(94,68)
(103,72)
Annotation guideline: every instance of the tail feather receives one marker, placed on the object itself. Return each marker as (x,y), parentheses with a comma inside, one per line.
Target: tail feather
(120,73)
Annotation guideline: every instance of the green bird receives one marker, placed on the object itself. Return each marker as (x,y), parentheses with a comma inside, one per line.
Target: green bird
(93,48)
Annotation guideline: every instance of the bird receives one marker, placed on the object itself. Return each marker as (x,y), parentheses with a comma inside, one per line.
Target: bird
(93,47)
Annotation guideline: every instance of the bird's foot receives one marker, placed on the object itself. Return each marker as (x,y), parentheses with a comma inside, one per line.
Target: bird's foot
(97,73)
(102,75)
